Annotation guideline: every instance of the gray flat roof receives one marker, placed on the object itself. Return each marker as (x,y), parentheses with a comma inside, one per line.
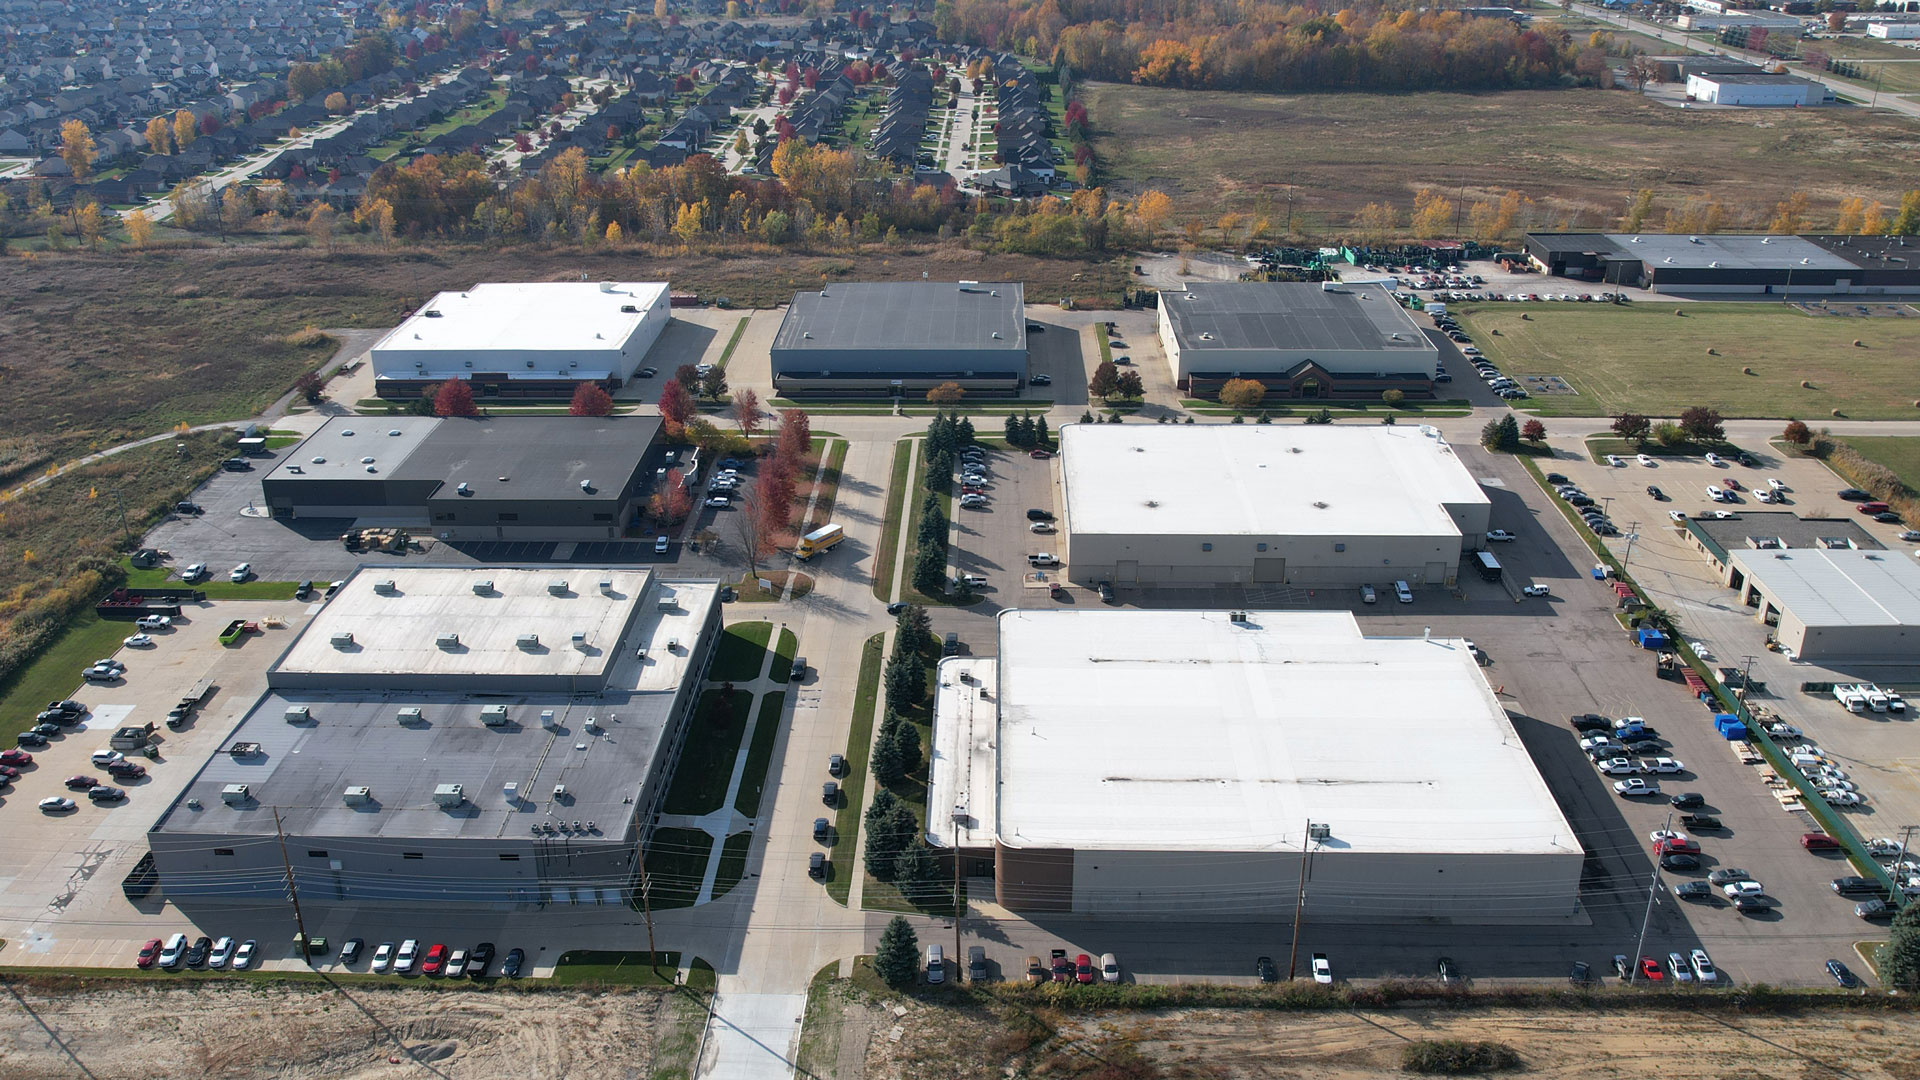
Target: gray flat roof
(1760,78)
(1712,251)
(303,770)
(339,449)
(1837,588)
(1745,530)
(1291,315)
(907,315)
(534,458)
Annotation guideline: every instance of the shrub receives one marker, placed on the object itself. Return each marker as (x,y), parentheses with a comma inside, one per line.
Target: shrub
(1456,1057)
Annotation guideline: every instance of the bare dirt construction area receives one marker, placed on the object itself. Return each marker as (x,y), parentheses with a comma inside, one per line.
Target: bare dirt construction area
(1016,1032)
(1578,154)
(241,1030)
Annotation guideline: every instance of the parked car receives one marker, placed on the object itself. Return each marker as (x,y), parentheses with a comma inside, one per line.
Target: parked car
(1818,841)
(222,952)
(1367,595)
(137,641)
(1083,972)
(403,960)
(1693,890)
(153,622)
(512,964)
(1501,535)
(1109,968)
(174,952)
(147,955)
(1263,967)
(1062,967)
(1449,971)
(976,964)
(1634,786)
(1036,971)
(1842,975)
(57,805)
(1536,590)
(197,952)
(1736,889)
(436,960)
(240,573)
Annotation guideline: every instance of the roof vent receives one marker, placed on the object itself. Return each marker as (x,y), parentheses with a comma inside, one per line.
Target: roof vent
(1637,240)
(807,335)
(343,640)
(235,795)
(448,640)
(449,795)
(1695,240)
(1206,336)
(586,486)
(464,489)
(528,641)
(558,587)
(482,588)
(384,587)
(996,335)
(409,715)
(629,309)
(431,314)
(347,432)
(395,431)
(366,461)
(1766,239)
(580,640)
(373,468)
(606,584)
(606,286)
(319,461)
(1319,506)
(357,796)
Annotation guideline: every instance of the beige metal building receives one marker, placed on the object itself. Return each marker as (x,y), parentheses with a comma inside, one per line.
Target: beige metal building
(1283,505)
(1834,604)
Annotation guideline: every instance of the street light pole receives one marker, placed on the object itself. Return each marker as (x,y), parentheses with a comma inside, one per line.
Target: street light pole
(1653,885)
(1299,902)
(1633,533)
(1893,888)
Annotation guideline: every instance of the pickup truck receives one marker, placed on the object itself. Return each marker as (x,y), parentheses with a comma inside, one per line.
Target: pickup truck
(1501,535)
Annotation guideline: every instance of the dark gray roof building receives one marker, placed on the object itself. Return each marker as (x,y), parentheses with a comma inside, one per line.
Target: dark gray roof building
(902,336)
(1336,338)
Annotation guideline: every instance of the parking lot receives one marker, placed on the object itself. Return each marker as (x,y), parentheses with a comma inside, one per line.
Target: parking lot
(1548,658)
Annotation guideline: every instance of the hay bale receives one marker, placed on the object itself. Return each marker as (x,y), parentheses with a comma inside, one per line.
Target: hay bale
(1680,312)
(1858,344)
(1746,371)
(1806,384)
(1713,352)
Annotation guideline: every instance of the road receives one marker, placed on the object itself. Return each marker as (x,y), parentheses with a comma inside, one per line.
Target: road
(1889,102)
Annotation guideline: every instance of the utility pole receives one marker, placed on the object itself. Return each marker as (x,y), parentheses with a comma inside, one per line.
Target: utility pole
(1653,884)
(1633,533)
(1893,889)
(293,892)
(1746,672)
(646,892)
(957,909)
(1299,902)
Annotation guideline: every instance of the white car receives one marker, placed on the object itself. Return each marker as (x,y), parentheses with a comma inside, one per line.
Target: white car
(973,500)
(1665,765)
(222,952)
(1841,798)
(1785,731)
(153,622)
(1677,515)
(660,545)
(243,956)
(1636,786)
(240,573)
(1883,847)
(1536,590)
(719,502)
(1701,650)
(1502,535)
(1367,595)
(1322,969)
(194,572)
(1658,835)
(174,950)
(403,960)
(1774,483)
(1644,460)
(1678,967)
(456,964)
(1702,965)
(1714,460)
(382,958)
(974,581)
(1737,889)
(1615,460)
(137,641)
(1725,515)
(1041,527)
(104,758)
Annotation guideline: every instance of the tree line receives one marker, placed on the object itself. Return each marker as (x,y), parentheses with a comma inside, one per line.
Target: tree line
(1242,45)
(895,849)
(947,435)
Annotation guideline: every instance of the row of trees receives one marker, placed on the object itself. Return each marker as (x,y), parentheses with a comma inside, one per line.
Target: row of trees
(1700,425)
(1026,431)
(1506,434)
(895,849)
(1109,381)
(947,435)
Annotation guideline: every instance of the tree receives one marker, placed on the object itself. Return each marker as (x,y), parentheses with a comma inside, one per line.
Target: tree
(336,103)
(1907,222)
(1153,208)
(1502,434)
(1790,214)
(676,405)
(89,224)
(186,128)
(159,135)
(590,399)
(1533,431)
(1393,399)
(1632,426)
(1106,380)
(714,383)
(916,874)
(746,411)
(311,387)
(613,233)
(890,764)
(1900,957)
(671,502)
(796,435)
(139,230)
(1041,436)
(915,627)
(1702,424)
(1243,394)
(905,680)
(757,525)
(320,226)
(76,148)
(1433,214)
(1797,433)
(1016,431)
(946,395)
(1641,70)
(688,376)
(454,398)
(897,959)
(1129,386)
(930,569)
(933,522)
(1669,434)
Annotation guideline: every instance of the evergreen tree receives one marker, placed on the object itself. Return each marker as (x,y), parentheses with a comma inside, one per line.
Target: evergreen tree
(963,431)
(897,960)
(930,569)
(933,522)
(906,682)
(1900,956)
(1014,435)
(916,874)
(906,738)
(889,762)
(882,845)
(1041,436)
(915,627)
(939,469)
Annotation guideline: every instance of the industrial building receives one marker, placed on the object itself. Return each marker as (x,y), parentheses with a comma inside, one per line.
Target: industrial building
(1299,339)
(1788,266)
(499,478)
(1763,89)
(523,339)
(1195,764)
(900,337)
(1833,604)
(1243,504)
(485,736)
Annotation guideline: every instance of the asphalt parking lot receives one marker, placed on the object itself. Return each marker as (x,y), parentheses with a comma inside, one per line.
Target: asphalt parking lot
(994,540)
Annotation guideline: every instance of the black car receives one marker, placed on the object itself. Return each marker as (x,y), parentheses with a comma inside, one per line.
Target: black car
(798,670)
(1106,593)
(68,706)
(1841,975)
(1679,860)
(1687,800)
(1449,971)
(1658,495)
(1581,975)
(1693,890)
(197,954)
(817,865)
(1590,722)
(1037,514)
(1264,968)
(898,607)
(56,718)
(102,793)
(830,793)
(646,373)
(126,770)
(1845,885)
(1699,821)
(187,508)
(1750,905)
(1874,909)
(1855,495)
(30,738)
(351,950)
(49,729)
(1887,517)
(821,829)
(478,959)
(836,764)
(1555,478)
(1041,380)
(1640,736)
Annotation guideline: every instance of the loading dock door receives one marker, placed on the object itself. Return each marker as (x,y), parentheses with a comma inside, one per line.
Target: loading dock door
(1127,571)
(1270,570)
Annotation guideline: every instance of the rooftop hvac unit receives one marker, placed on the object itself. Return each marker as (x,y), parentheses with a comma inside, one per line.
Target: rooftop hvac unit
(357,796)
(342,640)
(558,587)
(449,795)
(580,640)
(482,588)
(384,587)
(493,715)
(606,286)
(235,794)
(606,584)
(464,488)
(298,714)
(960,814)
(586,486)
(409,715)
(559,791)
(448,641)
(511,789)
(629,309)
(528,641)
(547,719)
(667,602)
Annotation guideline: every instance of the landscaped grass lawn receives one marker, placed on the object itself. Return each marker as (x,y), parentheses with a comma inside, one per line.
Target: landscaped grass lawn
(56,673)
(733,863)
(1643,358)
(676,863)
(883,559)
(700,780)
(765,729)
(846,820)
(626,968)
(742,652)
(1902,455)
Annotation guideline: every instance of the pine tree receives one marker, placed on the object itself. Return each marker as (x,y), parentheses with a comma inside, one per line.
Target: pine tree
(1041,436)
(1013,430)
(915,873)
(889,763)
(906,682)
(907,748)
(914,627)
(930,569)
(897,959)
(933,522)
(939,469)
(963,431)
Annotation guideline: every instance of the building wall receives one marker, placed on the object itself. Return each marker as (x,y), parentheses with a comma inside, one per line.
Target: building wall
(395,374)
(1371,370)
(1033,879)
(861,370)
(1705,88)
(1848,643)
(385,497)
(1179,560)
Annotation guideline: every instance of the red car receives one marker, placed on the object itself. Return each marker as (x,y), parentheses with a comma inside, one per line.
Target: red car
(148,953)
(9,773)
(1687,846)
(1872,508)
(1650,969)
(1083,968)
(1039,453)
(15,758)
(81,783)
(1062,969)
(436,961)
(1730,484)
(1818,841)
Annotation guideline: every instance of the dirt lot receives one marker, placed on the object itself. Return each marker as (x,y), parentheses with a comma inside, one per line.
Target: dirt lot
(1578,154)
(1218,1044)
(293,1032)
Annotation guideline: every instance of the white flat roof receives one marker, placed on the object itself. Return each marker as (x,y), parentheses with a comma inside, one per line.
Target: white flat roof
(1261,480)
(1181,730)
(1828,587)
(340,449)
(398,633)
(522,317)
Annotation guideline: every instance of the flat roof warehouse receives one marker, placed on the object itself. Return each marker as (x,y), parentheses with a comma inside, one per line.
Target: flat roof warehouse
(1292,316)
(882,316)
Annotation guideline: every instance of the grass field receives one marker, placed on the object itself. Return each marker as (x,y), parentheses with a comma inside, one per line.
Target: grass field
(742,652)
(1578,154)
(766,728)
(676,863)
(625,968)
(1643,358)
(700,780)
(883,559)
(733,863)
(57,671)
(1902,455)
(846,820)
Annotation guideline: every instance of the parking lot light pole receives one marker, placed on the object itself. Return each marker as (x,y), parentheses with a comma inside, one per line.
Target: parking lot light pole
(1893,879)
(1653,885)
